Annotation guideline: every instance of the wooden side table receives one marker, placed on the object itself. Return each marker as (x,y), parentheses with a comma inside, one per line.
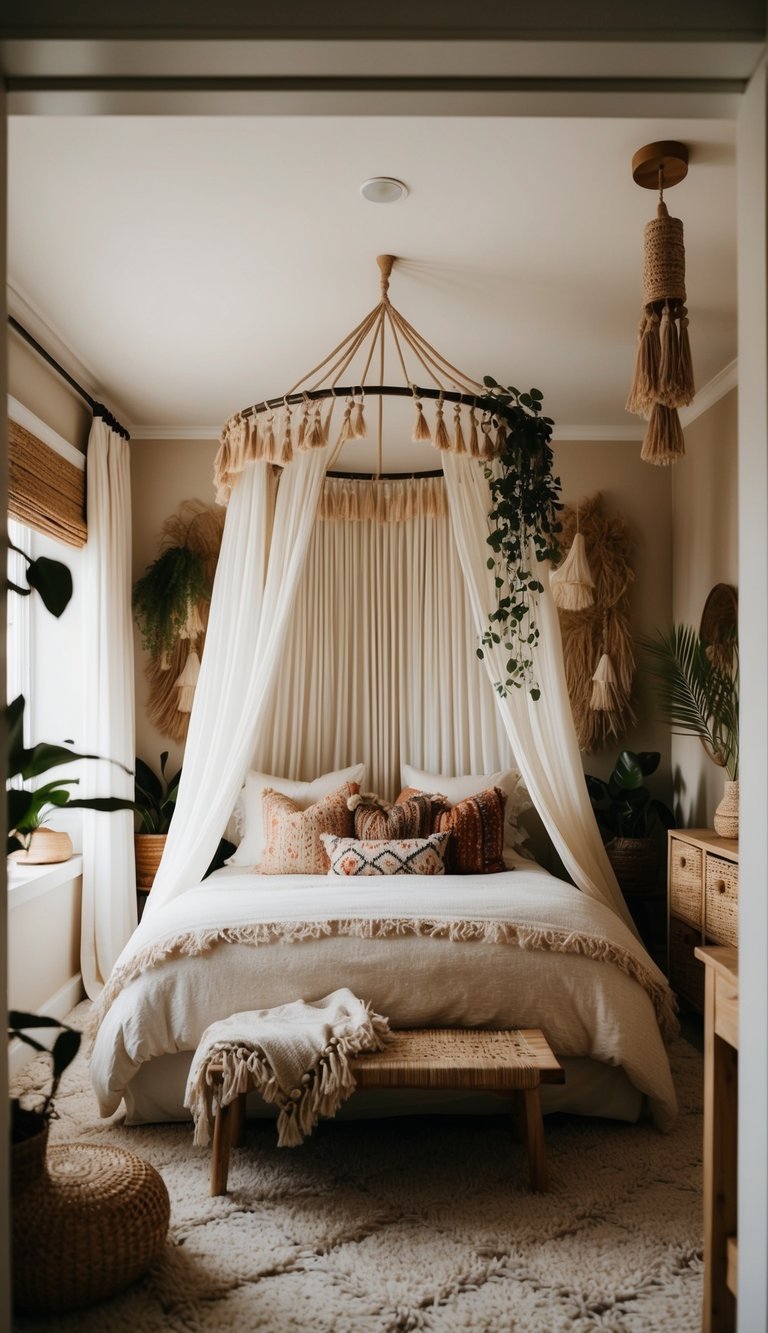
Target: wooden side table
(721,1044)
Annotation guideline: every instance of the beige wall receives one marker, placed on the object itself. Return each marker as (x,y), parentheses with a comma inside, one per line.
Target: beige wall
(704,552)
(46,394)
(643,495)
(163,473)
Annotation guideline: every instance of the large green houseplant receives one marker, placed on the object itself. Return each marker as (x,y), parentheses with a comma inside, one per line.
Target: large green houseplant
(628,817)
(155,804)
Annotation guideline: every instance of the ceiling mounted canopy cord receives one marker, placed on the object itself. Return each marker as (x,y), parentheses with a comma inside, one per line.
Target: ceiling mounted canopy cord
(663,378)
(383,339)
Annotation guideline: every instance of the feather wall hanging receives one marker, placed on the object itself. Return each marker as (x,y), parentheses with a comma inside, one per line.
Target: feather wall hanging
(663,378)
(597,639)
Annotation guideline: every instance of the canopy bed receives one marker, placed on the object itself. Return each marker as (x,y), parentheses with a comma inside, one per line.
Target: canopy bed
(343,629)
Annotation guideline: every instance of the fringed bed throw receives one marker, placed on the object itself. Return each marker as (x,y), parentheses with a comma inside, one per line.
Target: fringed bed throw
(295,1056)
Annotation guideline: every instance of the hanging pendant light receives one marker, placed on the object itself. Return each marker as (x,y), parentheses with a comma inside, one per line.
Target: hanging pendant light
(604,686)
(663,378)
(572,583)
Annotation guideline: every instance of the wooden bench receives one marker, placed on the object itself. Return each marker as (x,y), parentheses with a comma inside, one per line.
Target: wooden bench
(514,1062)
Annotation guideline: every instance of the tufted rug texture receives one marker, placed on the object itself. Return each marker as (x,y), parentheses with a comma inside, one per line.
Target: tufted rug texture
(415,1223)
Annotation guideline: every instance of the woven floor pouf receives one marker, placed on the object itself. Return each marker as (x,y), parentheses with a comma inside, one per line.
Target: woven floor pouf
(89,1225)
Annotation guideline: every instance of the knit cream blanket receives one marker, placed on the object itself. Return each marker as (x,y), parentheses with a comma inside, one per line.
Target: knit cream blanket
(296,1056)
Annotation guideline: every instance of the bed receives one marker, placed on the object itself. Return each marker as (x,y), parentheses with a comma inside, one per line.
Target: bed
(517,948)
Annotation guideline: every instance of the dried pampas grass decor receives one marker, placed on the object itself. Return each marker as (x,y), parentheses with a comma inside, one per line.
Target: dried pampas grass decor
(597,640)
(198,526)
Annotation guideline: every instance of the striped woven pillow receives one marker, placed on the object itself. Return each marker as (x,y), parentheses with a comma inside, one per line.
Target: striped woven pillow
(477,828)
(376,818)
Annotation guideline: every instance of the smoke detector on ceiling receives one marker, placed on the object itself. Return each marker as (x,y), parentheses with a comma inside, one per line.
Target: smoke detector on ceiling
(383,190)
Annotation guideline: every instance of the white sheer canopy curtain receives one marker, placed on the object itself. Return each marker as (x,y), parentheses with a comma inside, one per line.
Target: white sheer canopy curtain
(109,878)
(254,595)
(541,732)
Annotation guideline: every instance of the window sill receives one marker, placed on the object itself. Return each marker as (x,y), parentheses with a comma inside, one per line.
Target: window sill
(28,882)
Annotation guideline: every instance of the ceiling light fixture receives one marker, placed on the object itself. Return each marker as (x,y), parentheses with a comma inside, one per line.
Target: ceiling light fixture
(383,190)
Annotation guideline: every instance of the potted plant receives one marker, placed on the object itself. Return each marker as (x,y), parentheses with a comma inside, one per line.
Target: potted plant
(29,1124)
(698,693)
(166,597)
(155,804)
(27,810)
(627,816)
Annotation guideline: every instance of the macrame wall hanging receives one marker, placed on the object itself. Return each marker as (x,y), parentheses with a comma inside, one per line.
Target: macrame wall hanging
(597,638)
(345,383)
(172,672)
(663,378)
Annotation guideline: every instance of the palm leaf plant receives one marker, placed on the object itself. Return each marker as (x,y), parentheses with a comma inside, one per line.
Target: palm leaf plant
(696,694)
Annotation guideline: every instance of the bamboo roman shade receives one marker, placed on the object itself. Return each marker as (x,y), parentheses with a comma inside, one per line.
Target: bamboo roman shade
(45,490)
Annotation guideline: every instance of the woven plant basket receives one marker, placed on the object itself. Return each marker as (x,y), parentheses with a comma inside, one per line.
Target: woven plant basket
(149,849)
(46,847)
(90,1223)
(726,816)
(635,863)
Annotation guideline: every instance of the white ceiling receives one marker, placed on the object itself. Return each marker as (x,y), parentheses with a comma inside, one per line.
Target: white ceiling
(197,265)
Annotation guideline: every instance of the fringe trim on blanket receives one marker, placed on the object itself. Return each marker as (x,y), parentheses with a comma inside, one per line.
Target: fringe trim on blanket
(194,943)
(324,1087)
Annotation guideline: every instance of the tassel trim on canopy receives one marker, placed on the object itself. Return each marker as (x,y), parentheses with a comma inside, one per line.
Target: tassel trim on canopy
(351,501)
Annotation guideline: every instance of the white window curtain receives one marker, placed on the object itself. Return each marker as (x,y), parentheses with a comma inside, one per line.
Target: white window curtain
(253,600)
(380,662)
(541,732)
(109,879)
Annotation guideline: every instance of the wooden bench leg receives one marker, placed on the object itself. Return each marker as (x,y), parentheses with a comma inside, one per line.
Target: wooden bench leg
(222,1131)
(534,1137)
(237,1122)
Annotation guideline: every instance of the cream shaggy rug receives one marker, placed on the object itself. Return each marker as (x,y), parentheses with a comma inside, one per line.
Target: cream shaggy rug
(419,1223)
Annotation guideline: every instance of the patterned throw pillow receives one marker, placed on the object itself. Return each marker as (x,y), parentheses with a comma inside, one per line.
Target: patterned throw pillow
(399,856)
(376,818)
(292,844)
(477,828)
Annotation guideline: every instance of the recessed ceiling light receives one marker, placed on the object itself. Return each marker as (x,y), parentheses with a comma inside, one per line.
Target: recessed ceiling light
(383,190)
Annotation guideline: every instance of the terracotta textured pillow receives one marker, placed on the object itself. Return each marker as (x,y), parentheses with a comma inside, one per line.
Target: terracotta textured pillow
(376,818)
(292,844)
(376,856)
(477,828)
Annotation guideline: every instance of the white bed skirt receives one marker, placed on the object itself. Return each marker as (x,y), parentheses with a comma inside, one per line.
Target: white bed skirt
(156,1094)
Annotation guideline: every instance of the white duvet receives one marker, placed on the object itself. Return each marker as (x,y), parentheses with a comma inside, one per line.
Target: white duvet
(517,949)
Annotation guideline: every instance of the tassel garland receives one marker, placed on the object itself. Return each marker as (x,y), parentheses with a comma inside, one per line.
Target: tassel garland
(663,443)
(459,443)
(421,429)
(441,434)
(604,686)
(361,429)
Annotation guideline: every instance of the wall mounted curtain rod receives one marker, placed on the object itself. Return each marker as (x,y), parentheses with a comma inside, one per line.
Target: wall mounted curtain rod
(98,409)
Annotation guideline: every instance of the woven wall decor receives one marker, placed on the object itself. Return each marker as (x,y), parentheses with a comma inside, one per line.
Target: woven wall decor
(171,679)
(597,640)
(663,378)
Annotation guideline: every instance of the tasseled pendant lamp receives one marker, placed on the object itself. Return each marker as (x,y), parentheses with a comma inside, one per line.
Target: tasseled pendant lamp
(451,410)
(572,583)
(604,686)
(663,379)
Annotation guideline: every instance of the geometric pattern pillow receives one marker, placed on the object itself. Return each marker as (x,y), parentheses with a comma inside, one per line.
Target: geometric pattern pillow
(398,856)
(292,836)
(476,825)
(376,818)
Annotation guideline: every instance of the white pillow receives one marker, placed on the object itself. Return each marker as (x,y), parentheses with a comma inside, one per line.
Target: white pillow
(457,789)
(251,849)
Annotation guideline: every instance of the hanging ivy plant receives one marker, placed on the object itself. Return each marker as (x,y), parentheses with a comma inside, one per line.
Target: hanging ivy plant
(525,503)
(163,595)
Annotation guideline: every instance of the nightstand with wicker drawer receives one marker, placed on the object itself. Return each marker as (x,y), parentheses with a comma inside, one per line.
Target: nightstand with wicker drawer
(703,895)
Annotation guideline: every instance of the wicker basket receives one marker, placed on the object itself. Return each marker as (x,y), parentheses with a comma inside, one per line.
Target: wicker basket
(635,863)
(149,849)
(91,1223)
(47,846)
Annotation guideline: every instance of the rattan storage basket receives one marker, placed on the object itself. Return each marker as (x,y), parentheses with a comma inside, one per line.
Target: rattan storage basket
(635,863)
(90,1223)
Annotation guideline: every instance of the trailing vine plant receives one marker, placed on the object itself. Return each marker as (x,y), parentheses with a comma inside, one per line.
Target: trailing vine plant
(164,594)
(525,503)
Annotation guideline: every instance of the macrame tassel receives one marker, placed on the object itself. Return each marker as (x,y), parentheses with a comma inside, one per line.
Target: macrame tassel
(474,445)
(501,437)
(286,451)
(687,388)
(421,429)
(486,449)
(663,443)
(645,386)
(347,431)
(459,443)
(441,434)
(603,686)
(361,429)
(301,442)
(269,439)
(186,682)
(193,624)
(572,583)
(314,438)
(668,361)
(327,422)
